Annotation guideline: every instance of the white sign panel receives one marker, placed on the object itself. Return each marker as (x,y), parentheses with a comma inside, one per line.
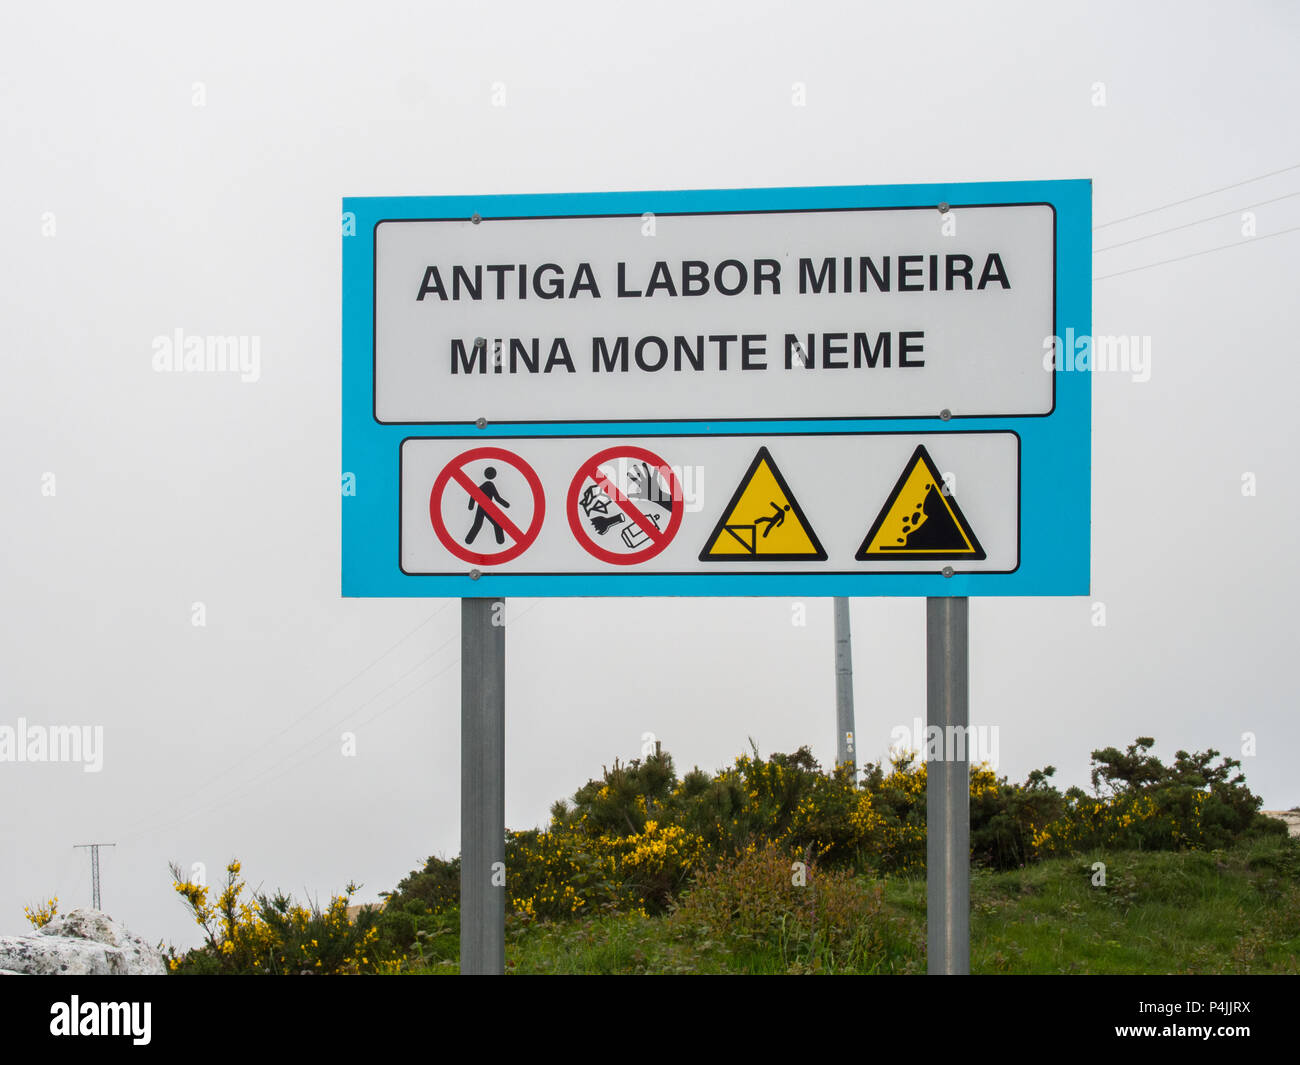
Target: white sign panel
(772,504)
(775,315)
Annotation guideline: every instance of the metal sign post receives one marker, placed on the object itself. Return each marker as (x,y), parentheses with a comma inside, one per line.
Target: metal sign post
(845,747)
(947,789)
(482,787)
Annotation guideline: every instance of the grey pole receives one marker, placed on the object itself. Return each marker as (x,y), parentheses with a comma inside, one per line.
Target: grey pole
(482,786)
(947,790)
(94,869)
(845,750)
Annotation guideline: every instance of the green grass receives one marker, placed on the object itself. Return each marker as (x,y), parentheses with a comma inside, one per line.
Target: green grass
(1232,911)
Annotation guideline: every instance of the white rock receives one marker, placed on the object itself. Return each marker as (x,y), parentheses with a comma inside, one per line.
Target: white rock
(1290,817)
(80,943)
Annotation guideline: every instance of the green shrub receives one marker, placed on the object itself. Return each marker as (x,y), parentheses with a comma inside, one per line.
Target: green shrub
(821,920)
(270,934)
(1142,804)
(637,839)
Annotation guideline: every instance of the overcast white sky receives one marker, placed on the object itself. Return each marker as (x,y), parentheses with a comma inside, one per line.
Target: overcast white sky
(223,740)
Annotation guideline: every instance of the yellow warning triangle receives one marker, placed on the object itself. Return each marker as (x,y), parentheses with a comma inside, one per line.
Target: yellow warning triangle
(920,520)
(763,521)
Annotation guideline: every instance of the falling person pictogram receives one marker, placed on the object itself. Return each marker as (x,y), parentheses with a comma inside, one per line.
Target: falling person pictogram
(774,521)
(763,501)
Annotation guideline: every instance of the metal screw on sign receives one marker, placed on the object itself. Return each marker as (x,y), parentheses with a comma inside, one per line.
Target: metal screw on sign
(948,571)
(481,423)
(475,574)
(476,218)
(945,414)
(943,208)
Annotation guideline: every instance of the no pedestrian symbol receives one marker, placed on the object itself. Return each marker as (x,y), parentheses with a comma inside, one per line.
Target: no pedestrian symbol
(487,506)
(625,505)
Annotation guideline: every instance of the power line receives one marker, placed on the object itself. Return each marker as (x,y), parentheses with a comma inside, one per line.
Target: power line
(1198,196)
(261,777)
(1199,221)
(242,786)
(335,692)
(94,869)
(238,763)
(1196,254)
(305,748)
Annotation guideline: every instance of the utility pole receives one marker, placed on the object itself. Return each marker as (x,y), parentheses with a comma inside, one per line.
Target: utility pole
(845,750)
(94,868)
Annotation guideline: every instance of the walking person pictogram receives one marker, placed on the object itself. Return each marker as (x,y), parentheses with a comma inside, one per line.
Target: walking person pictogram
(489,490)
(513,535)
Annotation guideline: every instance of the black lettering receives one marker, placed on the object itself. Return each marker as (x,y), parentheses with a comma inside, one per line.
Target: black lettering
(795,349)
(663,353)
(722,342)
(963,272)
(660,278)
(909,266)
(601,354)
(584,281)
(519,352)
(741,272)
(769,271)
(807,277)
(501,272)
(476,354)
(994,271)
(865,265)
(862,349)
(695,277)
(459,277)
(752,344)
(556,288)
(834,344)
(682,346)
(432,283)
(559,354)
(906,348)
(623,291)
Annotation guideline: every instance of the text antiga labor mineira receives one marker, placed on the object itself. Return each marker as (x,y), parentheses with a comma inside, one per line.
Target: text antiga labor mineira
(953,272)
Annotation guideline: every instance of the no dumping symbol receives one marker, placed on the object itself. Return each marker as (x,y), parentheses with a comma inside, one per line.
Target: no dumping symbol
(488,495)
(637,510)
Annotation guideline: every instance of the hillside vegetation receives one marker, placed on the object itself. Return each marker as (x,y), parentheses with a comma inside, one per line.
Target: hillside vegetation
(775,865)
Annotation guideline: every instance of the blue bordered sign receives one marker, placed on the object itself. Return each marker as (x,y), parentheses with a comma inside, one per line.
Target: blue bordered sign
(840,332)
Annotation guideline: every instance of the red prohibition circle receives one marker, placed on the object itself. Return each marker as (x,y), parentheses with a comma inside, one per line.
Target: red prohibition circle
(657,542)
(523,538)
